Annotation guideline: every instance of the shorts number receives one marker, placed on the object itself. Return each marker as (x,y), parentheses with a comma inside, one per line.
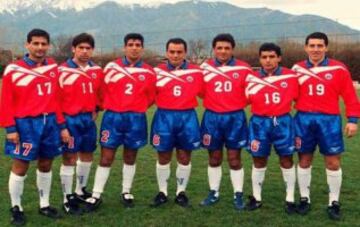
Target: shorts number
(129,89)
(319,89)
(223,87)
(71,143)
(274,98)
(105,136)
(177,91)
(27,148)
(45,89)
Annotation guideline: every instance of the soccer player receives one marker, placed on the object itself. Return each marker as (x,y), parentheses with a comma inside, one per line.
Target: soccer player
(80,81)
(30,112)
(129,89)
(271,93)
(318,121)
(175,123)
(224,121)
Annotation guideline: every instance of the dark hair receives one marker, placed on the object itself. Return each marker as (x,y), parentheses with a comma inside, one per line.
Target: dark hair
(223,37)
(83,38)
(317,35)
(136,36)
(176,41)
(38,32)
(270,47)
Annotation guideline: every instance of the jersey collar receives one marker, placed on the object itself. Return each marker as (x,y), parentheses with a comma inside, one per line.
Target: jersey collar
(277,72)
(324,62)
(72,64)
(137,64)
(184,65)
(231,62)
(32,63)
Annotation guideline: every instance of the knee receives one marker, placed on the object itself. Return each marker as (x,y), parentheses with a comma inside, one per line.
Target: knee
(305,162)
(44,167)
(215,161)
(106,161)
(69,159)
(332,165)
(260,163)
(129,157)
(286,163)
(164,158)
(234,163)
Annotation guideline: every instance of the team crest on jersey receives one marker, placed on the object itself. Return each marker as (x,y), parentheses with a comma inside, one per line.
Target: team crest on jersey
(255,145)
(297,142)
(206,139)
(283,84)
(52,74)
(93,75)
(141,77)
(156,140)
(190,79)
(328,76)
(235,75)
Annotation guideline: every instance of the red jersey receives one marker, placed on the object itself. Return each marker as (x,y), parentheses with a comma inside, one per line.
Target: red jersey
(29,90)
(321,86)
(128,87)
(80,87)
(272,95)
(224,89)
(176,89)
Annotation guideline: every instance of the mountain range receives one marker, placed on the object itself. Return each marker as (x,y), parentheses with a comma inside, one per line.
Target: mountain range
(109,21)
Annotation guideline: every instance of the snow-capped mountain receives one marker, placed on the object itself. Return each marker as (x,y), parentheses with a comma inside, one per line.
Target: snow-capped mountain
(12,6)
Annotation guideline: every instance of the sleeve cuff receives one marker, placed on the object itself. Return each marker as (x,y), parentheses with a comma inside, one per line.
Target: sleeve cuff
(353,120)
(62,126)
(11,129)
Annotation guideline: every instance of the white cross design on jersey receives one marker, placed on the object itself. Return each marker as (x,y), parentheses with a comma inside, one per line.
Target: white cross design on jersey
(164,77)
(24,76)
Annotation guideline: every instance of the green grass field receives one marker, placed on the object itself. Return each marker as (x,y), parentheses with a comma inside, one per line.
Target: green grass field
(111,213)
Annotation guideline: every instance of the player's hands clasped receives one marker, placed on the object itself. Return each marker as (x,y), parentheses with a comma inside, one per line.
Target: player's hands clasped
(65,136)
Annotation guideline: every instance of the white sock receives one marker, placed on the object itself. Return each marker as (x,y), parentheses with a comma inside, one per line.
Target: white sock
(289,177)
(16,188)
(237,179)
(214,176)
(43,182)
(182,177)
(101,177)
(128,177)
(304,180)
(82,175)
(162,174)
(66,177)
(334,179)
(257,178)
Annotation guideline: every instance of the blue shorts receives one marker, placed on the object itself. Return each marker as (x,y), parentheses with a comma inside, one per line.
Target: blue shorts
(267,131)
(175,129)
(313,129)
(125,128)
(39,138)
(229,128)
(82,129)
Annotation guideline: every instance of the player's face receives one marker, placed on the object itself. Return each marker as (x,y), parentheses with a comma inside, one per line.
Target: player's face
(133,50)
(269,60)
(37,47)
(316,50)
(82,52)
(176,53)
(223,51)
